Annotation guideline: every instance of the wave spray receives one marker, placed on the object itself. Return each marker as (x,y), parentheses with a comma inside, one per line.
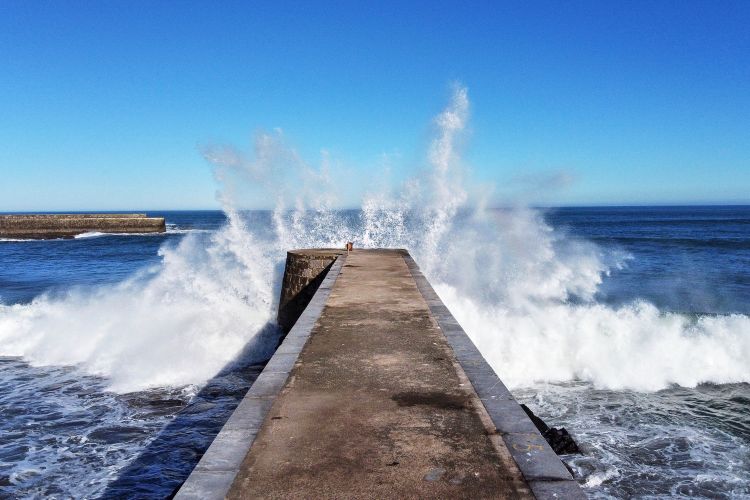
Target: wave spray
(524,292)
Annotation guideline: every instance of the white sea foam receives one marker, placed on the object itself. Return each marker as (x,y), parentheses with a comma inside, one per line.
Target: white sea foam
(91,234)
(176,324)
(175,230)
(97,234)
(631,347)
(523,291)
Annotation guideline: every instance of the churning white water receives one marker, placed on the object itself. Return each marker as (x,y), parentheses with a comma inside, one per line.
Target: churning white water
(518,287)
(178,323)
(526,293)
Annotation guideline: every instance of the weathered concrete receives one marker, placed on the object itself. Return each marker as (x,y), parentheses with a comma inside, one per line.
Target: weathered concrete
(377,392)
(44,226)
(540,466)
(377,406)
(217,469)
(304,271)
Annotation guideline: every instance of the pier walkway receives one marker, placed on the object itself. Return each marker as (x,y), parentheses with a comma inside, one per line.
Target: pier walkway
(368,397)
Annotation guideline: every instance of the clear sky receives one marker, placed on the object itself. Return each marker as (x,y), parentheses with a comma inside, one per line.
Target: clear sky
(105,105)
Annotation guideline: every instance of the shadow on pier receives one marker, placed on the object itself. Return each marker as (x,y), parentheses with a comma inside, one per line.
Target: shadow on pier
(162,467)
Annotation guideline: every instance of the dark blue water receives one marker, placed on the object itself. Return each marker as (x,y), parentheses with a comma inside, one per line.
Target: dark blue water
(66,434)
(30,268)
(690,442)
(683,259)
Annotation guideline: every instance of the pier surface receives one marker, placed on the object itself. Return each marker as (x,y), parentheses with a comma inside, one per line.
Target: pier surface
(376,407)
(368,397)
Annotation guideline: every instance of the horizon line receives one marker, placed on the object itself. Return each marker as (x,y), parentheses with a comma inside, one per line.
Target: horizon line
(494,207)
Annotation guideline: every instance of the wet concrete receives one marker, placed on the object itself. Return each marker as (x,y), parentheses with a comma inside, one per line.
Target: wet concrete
(377,405)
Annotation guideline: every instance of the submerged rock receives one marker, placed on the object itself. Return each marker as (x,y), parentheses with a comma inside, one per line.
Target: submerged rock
(560,439)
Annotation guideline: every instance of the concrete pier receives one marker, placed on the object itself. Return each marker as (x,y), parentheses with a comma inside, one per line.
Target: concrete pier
(377,392)
(303,274)
(47,226)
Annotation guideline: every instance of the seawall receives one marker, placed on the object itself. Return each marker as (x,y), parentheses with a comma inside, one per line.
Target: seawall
(377,392)
(46,226)
(303,274)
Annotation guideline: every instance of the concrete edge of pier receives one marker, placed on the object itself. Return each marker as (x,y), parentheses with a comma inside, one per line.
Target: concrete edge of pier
(212,477)
(543,470)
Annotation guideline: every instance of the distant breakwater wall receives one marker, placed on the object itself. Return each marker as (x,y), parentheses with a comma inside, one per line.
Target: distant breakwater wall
(304,272)
(47,226)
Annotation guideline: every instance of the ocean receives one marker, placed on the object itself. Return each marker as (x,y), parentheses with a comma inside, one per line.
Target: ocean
(122,355)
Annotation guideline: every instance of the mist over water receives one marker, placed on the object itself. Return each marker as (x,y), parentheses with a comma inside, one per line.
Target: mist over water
(528,294)
(516,285)
(173,324)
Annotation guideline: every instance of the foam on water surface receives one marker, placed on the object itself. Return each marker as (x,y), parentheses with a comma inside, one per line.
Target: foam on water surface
(527,293)
(174,324)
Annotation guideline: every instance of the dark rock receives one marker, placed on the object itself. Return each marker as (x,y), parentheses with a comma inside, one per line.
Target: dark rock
(538,422)
(559,440)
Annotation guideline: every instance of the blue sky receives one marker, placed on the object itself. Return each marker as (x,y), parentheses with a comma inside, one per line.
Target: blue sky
(105,105)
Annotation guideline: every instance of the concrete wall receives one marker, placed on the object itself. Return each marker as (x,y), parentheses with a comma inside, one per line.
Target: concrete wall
(42,226)
(304,272)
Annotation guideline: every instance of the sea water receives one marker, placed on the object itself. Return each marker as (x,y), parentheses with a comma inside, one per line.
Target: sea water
(67,432)
(75,425)
(122,355)
(668,439)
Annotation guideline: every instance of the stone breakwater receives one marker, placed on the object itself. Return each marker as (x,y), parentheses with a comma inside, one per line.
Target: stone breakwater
(304,271)
(47,226)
